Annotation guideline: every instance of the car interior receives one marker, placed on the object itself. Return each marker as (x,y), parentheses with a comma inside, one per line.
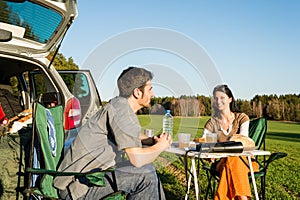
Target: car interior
(17,92)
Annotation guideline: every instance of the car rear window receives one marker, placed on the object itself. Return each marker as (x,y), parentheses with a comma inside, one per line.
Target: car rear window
(38,21)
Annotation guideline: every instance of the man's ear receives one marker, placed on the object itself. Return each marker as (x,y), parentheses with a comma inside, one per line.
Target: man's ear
(137,93)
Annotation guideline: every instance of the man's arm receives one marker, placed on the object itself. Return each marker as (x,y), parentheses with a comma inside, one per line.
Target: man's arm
(139,156)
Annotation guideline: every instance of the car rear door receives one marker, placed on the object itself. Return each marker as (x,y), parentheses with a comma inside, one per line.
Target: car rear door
(82,85)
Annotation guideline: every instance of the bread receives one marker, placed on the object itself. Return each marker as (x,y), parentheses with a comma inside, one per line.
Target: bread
(199,140)
(247,142)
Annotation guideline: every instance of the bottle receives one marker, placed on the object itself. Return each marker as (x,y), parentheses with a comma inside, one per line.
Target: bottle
(168,123)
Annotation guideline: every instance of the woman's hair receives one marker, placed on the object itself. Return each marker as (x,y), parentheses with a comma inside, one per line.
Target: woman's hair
(131,78)
(225,89)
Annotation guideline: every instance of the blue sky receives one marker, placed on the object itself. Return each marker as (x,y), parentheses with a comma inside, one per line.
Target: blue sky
(254,46)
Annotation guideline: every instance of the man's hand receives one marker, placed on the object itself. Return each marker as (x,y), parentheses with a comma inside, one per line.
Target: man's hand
(164,139)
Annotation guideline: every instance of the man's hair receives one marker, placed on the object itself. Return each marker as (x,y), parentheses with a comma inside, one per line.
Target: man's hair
(131,78)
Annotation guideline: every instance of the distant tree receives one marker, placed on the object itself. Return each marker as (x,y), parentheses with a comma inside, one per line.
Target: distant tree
(297,111)
(62,63)
(256,109)
(4,12)
(167,103)
(205,104)
(245,106)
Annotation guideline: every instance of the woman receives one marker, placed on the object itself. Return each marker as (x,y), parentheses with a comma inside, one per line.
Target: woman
(226,122)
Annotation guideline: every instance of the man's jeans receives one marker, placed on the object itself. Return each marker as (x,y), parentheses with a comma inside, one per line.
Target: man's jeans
(137,183)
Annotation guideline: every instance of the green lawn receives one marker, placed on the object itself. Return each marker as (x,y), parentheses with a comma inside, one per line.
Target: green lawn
(283,175)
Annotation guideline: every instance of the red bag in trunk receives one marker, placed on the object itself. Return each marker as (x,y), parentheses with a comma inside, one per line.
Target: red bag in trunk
(3,118)
(2,114)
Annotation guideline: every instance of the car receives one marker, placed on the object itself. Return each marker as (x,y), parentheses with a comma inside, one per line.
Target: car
(29,32)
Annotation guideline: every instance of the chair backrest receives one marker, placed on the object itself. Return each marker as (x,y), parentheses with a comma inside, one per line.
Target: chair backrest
(47,146)
(257,131)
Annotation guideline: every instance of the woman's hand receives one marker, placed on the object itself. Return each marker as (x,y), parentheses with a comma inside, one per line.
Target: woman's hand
(211,160)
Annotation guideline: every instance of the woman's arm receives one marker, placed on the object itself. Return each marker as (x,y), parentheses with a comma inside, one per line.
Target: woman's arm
(205,131)
(244,128)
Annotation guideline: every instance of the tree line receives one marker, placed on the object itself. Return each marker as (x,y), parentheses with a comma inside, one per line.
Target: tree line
(272,107)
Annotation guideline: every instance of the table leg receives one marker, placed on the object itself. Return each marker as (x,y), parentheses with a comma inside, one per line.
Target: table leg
(194,172)
(195,178)
(188,185)
(253,178)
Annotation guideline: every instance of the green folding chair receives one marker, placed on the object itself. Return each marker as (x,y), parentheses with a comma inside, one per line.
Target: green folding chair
(47,152)
(257,132)
(263,166)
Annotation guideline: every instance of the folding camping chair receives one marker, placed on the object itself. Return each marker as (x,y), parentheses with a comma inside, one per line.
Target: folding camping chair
(257,131)
(46,153)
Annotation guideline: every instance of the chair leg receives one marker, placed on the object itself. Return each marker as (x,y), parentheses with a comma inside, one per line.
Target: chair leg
(263,187)
(213,189)
(209,186)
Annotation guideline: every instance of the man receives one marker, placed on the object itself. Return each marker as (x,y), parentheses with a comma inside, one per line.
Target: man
(102,141)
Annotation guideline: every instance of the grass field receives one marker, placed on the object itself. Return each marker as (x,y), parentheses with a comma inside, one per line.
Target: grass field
(283,175)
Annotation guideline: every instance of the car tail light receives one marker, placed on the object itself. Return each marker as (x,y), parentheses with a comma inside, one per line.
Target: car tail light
(72,114)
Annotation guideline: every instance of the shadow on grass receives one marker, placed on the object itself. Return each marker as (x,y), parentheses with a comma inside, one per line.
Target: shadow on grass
(172,188)
(290,137)
(1,189)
